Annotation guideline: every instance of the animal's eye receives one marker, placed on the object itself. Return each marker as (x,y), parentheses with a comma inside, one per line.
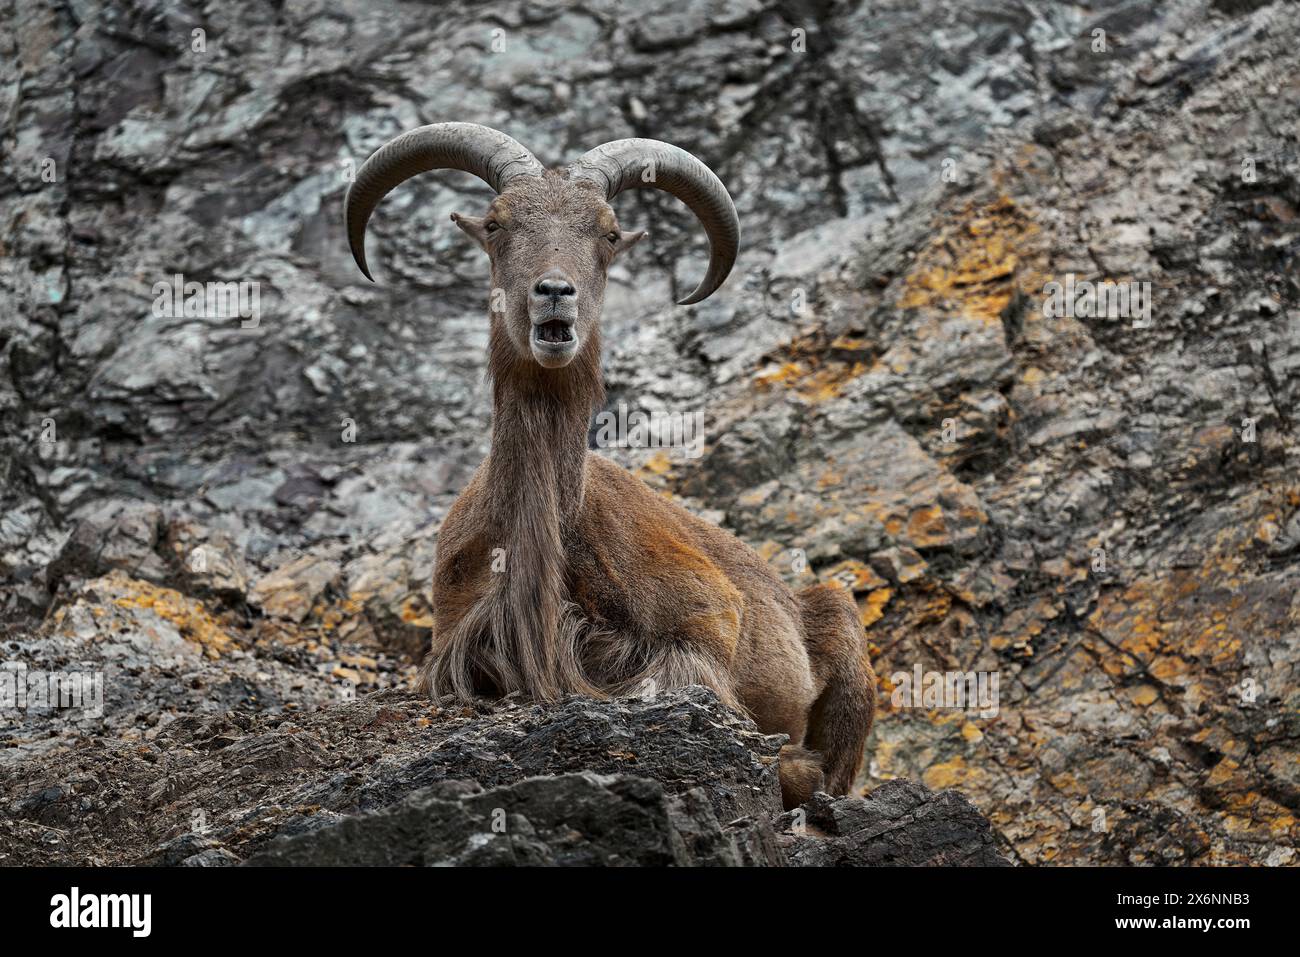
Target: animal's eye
(612,236)
(491,226)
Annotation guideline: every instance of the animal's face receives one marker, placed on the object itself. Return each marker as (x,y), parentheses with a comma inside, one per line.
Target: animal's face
(551,241)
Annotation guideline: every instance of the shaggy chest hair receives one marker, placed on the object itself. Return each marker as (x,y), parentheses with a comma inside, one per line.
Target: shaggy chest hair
(524,632)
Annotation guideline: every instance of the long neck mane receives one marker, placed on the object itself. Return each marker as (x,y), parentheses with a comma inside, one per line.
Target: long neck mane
(536,479)
(540,419)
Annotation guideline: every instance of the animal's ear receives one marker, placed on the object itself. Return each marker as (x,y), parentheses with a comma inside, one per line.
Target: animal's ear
(627,240)
(474,225)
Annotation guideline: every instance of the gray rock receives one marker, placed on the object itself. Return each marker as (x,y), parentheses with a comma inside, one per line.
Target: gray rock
(584,819)
(899,824)
(390,780)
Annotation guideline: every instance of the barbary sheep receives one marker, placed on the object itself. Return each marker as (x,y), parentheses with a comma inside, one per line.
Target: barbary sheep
(559,572)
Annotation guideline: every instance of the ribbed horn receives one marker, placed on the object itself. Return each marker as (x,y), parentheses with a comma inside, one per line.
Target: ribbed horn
(487,153)
(652,164)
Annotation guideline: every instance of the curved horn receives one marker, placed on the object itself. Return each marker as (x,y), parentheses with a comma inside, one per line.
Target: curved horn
(638,163)
(490,155)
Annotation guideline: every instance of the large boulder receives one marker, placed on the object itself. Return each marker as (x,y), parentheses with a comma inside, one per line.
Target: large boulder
(392,779)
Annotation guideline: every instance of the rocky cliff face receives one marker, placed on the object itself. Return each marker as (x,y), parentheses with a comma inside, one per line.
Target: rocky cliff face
(234,519)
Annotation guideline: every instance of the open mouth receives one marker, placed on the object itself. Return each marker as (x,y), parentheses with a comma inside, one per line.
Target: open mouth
(554,343)
(555,332)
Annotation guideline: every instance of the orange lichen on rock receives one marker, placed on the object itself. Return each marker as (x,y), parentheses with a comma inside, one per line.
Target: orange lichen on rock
(416,611)
(976,266)
(657,463)
(814,369)
(813,378)
(925,527)
(872,608)
(953,773)
(188,615)
(857,576)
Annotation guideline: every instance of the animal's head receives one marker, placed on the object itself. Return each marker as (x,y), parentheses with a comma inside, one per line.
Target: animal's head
(550,235)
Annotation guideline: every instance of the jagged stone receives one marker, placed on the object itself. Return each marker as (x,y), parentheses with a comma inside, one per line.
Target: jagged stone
(392,780)
(899,824)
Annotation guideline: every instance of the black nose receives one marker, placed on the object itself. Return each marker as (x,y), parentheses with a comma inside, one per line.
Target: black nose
(554,288)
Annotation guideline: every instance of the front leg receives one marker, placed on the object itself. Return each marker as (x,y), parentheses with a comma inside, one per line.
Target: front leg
(668,620)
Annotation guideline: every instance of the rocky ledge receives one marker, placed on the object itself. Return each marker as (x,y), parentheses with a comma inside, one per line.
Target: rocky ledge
(391,778)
